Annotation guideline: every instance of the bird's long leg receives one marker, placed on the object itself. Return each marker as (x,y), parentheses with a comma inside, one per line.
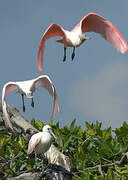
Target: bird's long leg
(43,158)
(32,103)
(36,162)
(23,102)
(64,54)
(73,53)
(36,159)
(43,165)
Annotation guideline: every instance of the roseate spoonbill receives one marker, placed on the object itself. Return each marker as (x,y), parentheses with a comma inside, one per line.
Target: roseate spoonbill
(41,142)
(92,22)
(27,88)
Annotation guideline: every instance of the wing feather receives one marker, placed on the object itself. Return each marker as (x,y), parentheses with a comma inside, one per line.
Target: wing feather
(8,87)
(35,139)
(52,31)
(45,82)
(93,22)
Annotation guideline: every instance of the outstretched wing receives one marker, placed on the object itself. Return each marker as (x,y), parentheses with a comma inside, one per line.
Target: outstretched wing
(35,139)
(56,104)
(45,82)
(52,31)
(95,23)
(8,87)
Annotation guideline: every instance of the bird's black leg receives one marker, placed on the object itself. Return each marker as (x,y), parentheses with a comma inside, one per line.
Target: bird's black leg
(73,53)
(36,162)
(23,102)
(64,54)
(32,103)
(43,163)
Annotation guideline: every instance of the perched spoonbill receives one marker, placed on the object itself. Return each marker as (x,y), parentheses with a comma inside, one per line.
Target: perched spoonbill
(92,22)
(41,142)
(27,88)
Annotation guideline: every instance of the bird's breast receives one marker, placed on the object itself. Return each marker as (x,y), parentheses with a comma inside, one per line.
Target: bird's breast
(21,91)
(73,39)
(44,145)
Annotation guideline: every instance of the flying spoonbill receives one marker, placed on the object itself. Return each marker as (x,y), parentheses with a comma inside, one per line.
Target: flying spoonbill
(91,22)
(27,88)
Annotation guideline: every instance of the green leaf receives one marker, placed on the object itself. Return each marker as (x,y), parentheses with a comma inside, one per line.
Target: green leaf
(72,124)
(39,125)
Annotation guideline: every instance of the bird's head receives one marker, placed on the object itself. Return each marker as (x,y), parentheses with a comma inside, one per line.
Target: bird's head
(48,129)
(84,37)
(29,95)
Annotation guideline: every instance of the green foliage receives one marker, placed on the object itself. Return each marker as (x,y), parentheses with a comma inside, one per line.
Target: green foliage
(95,153)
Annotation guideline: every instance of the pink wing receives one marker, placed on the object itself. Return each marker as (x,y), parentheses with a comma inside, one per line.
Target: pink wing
(56,104)
(95,23)
(10,86)
(35,139)
(46,83)
(52,31)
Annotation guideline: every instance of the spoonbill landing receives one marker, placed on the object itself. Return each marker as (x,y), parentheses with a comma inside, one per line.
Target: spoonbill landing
(27,88)
(91,22)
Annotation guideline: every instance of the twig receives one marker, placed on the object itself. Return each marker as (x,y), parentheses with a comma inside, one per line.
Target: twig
(122,159)
(12,171)
(117,174)
(106,160)
(100,166)
(86,140)
(7,163)
(100,170)
(97,166)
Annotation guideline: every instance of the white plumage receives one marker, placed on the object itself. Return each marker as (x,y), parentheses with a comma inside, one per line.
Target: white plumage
(27,88)
(41,142)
